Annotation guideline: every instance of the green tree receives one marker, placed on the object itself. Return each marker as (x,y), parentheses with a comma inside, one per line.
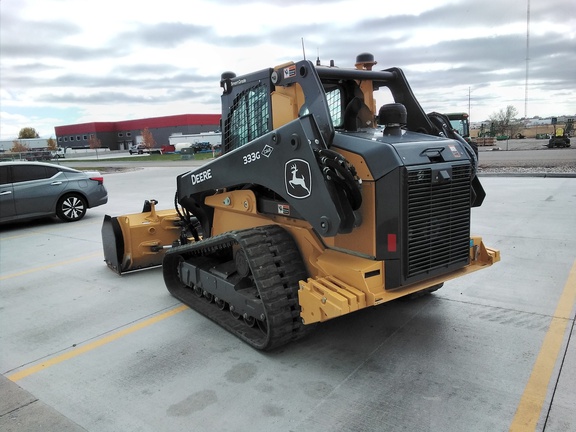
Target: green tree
(28,132)
(504,121)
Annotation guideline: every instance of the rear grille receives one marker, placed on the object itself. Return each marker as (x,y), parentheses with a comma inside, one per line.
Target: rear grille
(438,220)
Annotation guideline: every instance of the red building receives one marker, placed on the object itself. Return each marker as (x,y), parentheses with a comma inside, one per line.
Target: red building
(122,134)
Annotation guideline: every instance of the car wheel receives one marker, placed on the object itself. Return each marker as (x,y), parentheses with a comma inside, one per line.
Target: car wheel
(71,208)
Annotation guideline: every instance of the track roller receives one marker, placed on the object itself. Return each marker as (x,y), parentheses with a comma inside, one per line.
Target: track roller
(246,281)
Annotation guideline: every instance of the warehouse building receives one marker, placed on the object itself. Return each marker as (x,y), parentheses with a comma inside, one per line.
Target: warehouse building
(123,134)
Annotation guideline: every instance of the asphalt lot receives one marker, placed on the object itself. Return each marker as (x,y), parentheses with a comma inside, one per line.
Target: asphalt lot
(84,349)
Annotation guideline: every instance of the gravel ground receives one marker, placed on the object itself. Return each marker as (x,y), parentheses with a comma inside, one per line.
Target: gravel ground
(558,171)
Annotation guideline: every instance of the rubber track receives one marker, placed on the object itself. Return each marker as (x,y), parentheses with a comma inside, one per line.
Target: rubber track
(276,267)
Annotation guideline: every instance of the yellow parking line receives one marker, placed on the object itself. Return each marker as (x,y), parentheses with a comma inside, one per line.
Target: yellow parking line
(18,236)
(47,230)
(92,345)
(49,266)
(530,407)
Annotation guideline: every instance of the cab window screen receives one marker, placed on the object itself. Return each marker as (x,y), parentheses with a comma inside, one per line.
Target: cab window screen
(249,118)
(334,99)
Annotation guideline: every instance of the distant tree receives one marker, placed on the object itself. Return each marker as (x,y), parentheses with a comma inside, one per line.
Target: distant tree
(148,139)
(94,143)
(18,147)
(28,132)
(504,121)
(51,144)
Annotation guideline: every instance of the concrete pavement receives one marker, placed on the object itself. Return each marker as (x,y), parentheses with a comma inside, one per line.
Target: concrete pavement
(98,352)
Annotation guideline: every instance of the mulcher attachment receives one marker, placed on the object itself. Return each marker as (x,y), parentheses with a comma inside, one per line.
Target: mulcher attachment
(138,241)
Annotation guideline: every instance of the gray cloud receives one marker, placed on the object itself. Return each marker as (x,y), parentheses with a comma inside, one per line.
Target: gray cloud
(163,35)
(119,97)
(35,52)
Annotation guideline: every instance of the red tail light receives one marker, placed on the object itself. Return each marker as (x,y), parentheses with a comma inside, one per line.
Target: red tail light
(392,243)
(100,180)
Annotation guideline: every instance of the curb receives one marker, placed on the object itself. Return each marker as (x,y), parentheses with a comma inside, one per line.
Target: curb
(541,175)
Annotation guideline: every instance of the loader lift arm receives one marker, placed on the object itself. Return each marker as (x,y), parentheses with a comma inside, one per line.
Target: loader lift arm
(295,148)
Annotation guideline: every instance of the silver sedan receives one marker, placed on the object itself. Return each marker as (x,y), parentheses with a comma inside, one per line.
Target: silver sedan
(30,190)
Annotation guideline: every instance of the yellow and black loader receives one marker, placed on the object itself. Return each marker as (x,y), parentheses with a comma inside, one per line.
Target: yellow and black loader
(320,204)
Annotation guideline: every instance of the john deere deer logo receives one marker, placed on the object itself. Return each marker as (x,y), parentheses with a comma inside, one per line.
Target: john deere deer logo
(297,178)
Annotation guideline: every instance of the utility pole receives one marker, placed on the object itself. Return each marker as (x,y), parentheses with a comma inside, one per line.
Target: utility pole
(527,59)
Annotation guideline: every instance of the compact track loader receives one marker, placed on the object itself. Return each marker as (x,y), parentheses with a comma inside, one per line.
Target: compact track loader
(320,204)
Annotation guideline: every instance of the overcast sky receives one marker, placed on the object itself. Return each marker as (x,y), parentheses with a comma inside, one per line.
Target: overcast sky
(74,61)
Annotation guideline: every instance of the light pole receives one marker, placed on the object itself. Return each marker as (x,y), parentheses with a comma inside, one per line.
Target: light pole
(469,104)
(527,59)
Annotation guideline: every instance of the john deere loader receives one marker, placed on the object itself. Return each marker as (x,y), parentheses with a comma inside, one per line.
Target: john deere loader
(334,192)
